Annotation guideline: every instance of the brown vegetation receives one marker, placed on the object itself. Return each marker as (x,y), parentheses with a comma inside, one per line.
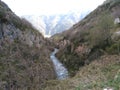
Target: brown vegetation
(24,54)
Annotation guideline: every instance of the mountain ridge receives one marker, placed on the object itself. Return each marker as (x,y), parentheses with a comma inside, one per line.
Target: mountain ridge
(52,24)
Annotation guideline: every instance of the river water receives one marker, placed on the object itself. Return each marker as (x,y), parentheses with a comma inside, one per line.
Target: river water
(60,70)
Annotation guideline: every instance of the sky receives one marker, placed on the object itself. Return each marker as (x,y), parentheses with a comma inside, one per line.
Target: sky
(48,7)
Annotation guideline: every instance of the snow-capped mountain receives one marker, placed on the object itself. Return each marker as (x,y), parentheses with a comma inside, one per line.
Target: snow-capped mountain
(51,24)
(37,22)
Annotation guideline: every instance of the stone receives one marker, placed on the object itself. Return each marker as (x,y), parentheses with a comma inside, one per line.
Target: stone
(117,21)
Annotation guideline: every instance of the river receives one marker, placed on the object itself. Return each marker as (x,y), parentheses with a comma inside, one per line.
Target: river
(60,70)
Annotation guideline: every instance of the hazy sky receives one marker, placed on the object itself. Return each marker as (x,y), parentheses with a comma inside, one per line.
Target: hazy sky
(38,7)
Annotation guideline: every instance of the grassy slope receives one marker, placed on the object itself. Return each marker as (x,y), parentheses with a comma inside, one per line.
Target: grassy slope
(101,73)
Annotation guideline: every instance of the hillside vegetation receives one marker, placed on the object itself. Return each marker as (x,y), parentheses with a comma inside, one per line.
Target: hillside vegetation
(92,37)
(90,50)
(101,73)
(24,54)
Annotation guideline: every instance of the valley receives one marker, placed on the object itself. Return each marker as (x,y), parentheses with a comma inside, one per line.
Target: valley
(85,56)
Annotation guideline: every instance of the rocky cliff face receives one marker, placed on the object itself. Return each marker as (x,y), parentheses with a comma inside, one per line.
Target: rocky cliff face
(24,54)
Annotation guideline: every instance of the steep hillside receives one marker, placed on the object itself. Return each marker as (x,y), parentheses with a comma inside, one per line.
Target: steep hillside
(24,54)
(52,24)
(92,37)
(91,51)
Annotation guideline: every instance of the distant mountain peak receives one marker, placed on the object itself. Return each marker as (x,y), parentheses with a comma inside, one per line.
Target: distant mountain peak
(51,24)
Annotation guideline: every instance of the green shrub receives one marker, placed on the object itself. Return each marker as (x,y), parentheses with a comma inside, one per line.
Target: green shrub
(113,49)
(2,13)
(114,2)
(100,36)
